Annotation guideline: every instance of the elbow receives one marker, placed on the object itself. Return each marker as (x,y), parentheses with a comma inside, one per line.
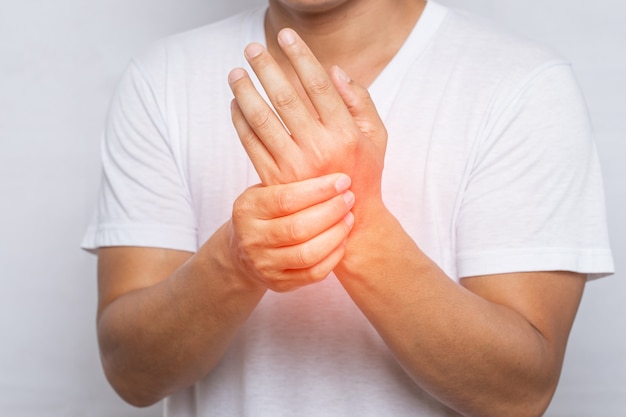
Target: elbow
(539,400)
(132,382)
(137,399)
(518,408)
(133,390)
(530,404)
(539,406)
(129,374)
(529,399)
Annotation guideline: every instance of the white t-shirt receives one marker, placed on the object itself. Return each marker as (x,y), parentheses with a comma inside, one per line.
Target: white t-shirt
(490,167)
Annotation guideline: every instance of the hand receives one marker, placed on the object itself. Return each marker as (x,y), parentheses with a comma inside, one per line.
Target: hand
(289,235)
(333,128)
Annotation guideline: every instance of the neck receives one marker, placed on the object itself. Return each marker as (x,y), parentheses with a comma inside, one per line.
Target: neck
(361,36)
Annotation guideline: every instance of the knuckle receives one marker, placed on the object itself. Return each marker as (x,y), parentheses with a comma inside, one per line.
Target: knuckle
(298,168)
(261,267)
(315,274)
(309,275)
(261,119)
(280,282)
(281,287)
(320,158)
(287,100)
(241,207)
(319,86)
(296,229)
(304,256)
(256,265)
(283,201)
(350,135)
(249,140)
(320,271)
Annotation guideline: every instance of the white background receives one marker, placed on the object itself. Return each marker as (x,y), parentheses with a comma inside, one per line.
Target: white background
(59,62)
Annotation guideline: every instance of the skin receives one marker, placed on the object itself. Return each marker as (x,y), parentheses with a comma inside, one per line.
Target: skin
(166,317)
(360,36)
(491,346)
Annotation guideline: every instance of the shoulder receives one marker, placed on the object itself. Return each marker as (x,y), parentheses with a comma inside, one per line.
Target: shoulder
(481,46)
(497,72)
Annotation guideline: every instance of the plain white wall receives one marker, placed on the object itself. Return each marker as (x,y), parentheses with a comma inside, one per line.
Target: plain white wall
(59,62)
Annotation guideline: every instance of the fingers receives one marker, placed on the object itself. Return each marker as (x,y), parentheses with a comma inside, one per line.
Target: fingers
(280,91)
(288,267)
(305,238)
(272,260)
(313,76)
(282,200)
(304,225)
(359,103)
(311,143)
(289,280)
(256,122)
(259,155)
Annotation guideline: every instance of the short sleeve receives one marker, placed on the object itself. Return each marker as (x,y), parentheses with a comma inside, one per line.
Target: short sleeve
(143,199)
(534,200)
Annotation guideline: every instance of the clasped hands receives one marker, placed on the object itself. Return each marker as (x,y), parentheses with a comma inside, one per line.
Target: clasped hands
(320,158)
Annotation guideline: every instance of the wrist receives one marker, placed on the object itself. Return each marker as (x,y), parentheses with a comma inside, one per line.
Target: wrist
(373,224)
(219,261)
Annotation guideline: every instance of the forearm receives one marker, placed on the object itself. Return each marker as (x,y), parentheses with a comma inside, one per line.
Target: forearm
(477,357)
(159,339)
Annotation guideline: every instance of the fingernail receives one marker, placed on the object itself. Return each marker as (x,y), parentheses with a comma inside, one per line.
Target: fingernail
(343,183)
(287,36)
(253,50)
(348,197)
(342,74)
(349,219)
(236,74)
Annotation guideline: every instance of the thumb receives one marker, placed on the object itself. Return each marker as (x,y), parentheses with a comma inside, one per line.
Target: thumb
(360,104)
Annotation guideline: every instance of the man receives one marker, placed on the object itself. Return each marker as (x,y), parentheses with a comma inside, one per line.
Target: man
(444,284)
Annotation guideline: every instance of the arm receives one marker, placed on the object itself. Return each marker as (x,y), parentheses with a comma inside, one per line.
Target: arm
(493,346)
(157,317)
(166,317)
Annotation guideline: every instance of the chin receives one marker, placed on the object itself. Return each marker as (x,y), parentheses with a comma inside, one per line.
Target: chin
(310,6)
